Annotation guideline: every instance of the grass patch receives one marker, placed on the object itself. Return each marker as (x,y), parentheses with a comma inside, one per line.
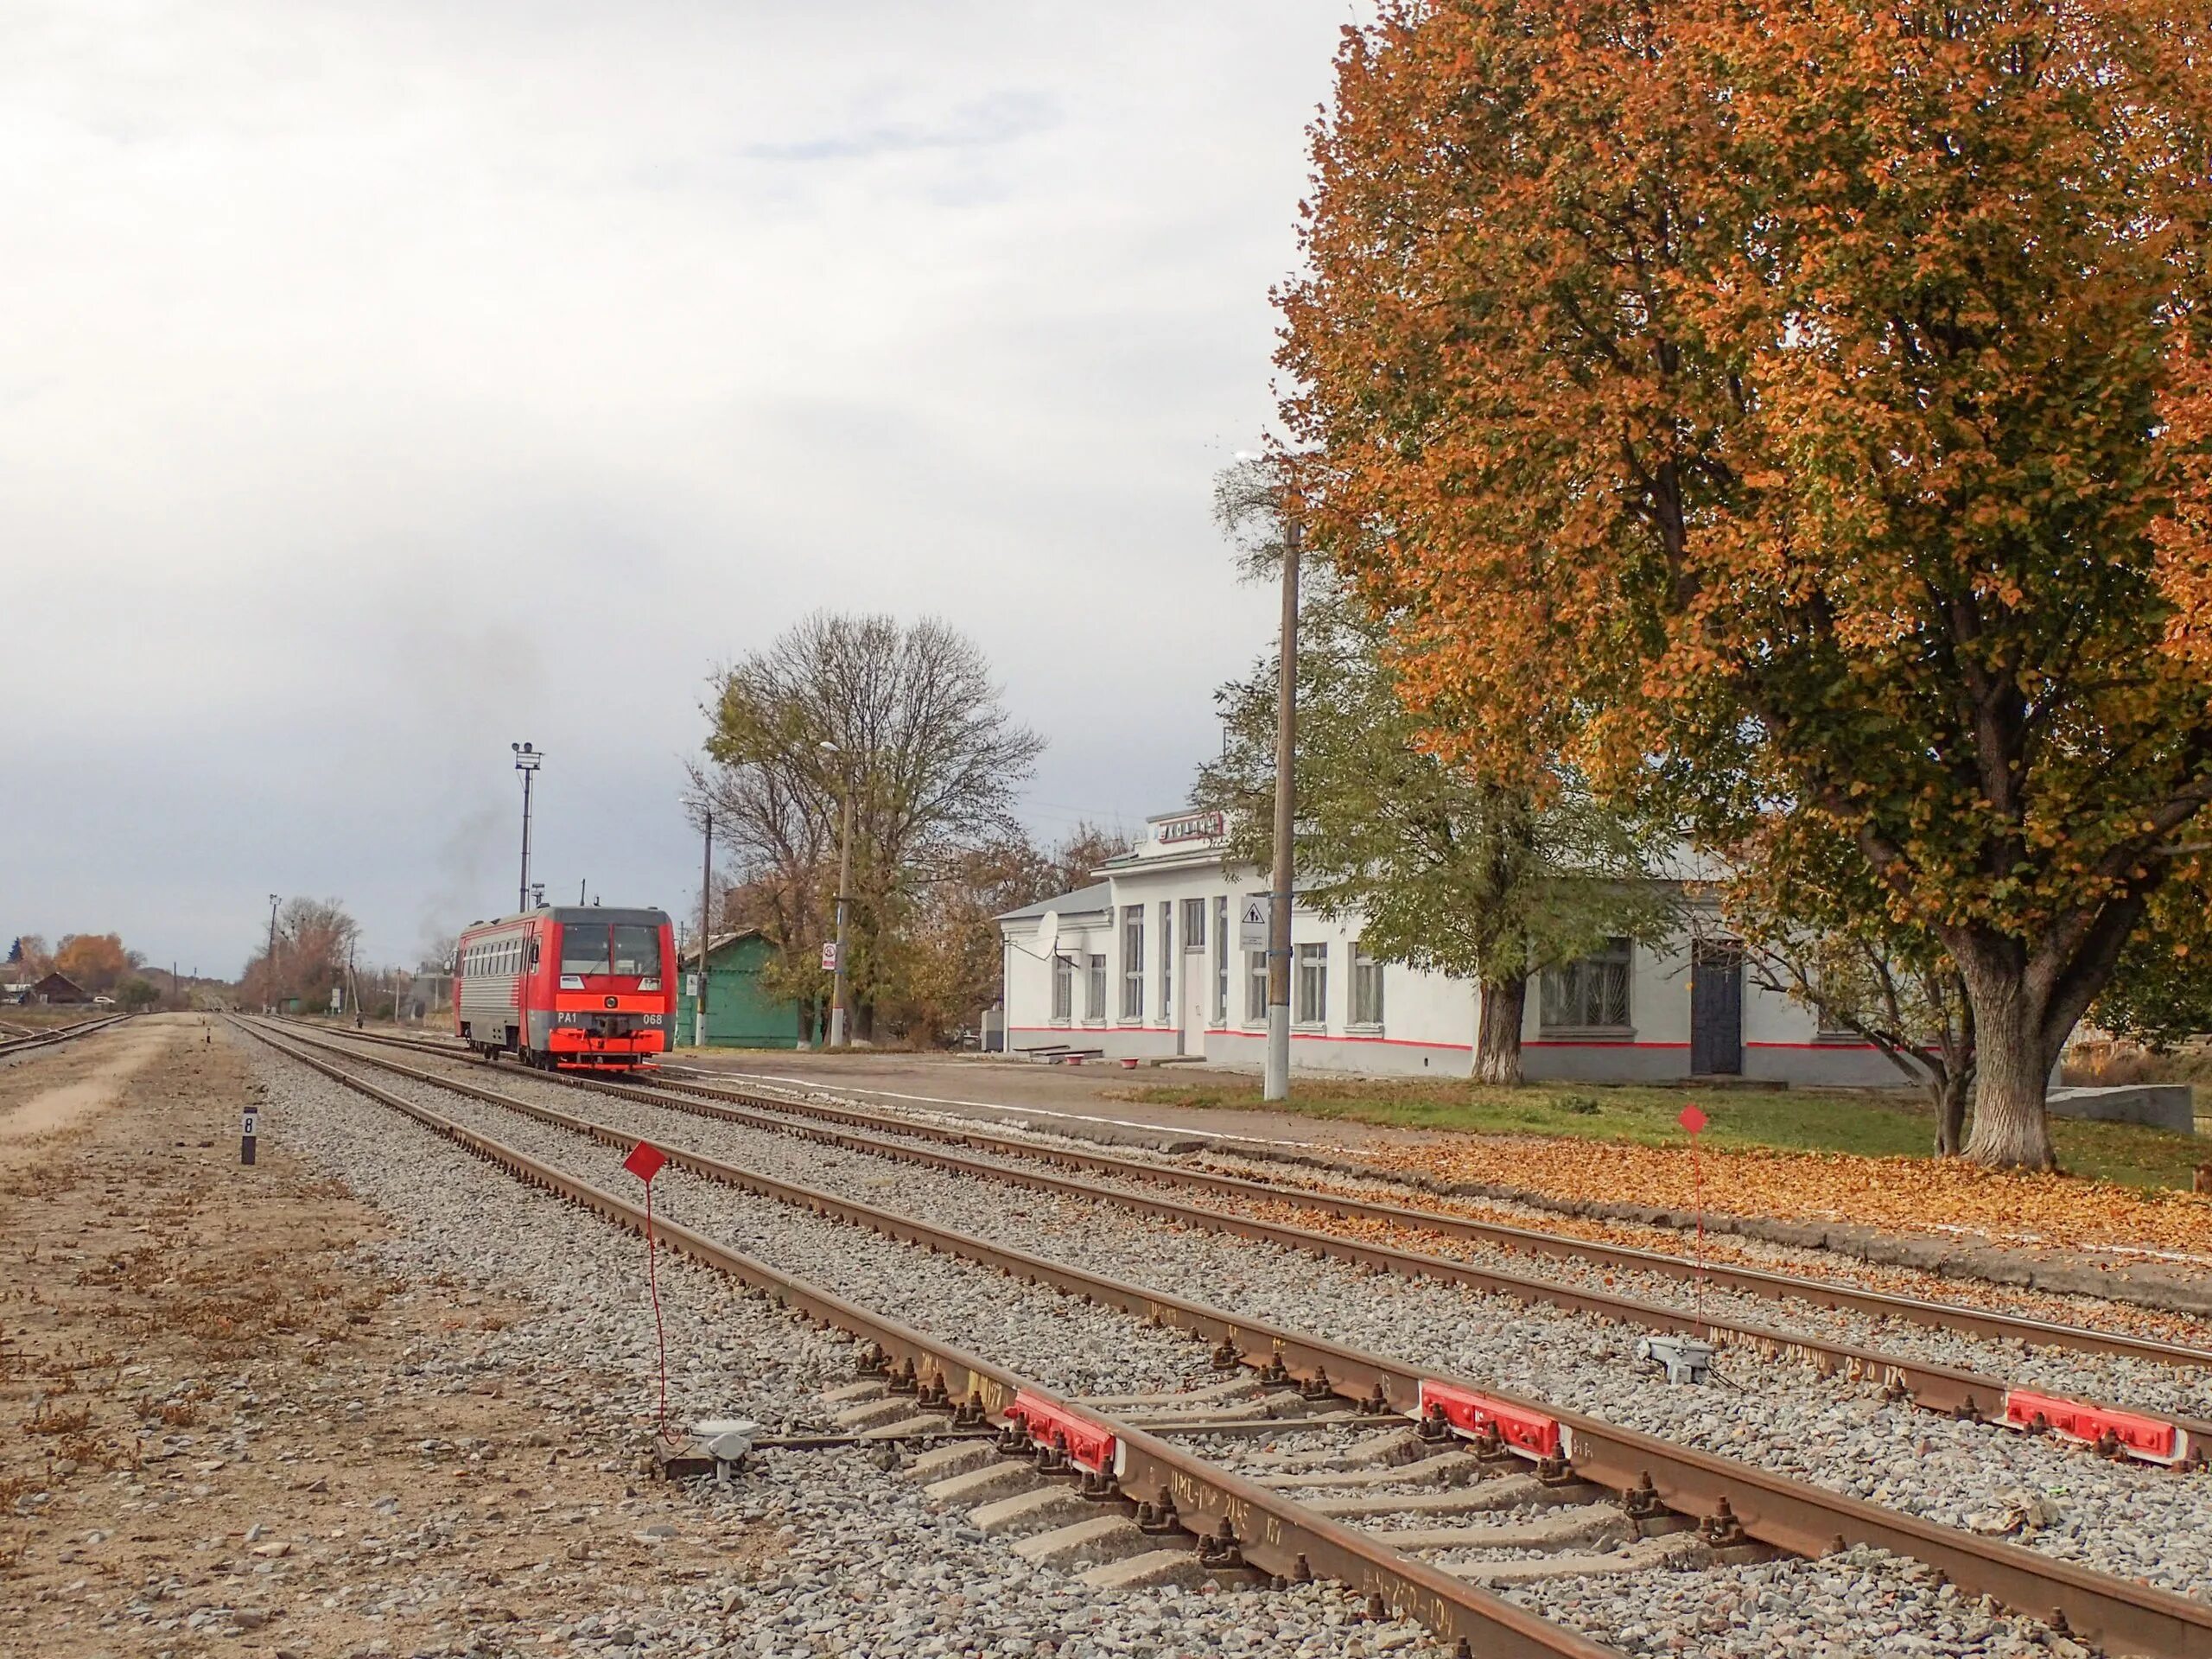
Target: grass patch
(1873,1123)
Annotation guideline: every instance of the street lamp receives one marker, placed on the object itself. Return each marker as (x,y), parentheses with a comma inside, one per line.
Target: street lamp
(840,981)
(526,762)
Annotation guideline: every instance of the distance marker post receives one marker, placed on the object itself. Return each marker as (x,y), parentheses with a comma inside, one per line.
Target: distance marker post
(249,1127)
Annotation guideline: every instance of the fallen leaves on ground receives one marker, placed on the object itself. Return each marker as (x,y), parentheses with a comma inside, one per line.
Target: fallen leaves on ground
(1897,1194)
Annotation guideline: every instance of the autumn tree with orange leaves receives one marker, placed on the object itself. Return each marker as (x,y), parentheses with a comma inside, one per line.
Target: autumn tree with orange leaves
(1795,415)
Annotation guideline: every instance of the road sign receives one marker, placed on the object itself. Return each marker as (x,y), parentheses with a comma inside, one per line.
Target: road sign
(829,955)
(1691,1119)
(249,1127)
(1252,921)
(691,985)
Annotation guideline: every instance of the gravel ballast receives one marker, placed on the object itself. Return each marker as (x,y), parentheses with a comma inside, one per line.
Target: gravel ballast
(2134,1521)
(866,1568)
(862,1563)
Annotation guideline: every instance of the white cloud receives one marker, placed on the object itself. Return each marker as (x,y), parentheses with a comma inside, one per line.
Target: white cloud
(389,382)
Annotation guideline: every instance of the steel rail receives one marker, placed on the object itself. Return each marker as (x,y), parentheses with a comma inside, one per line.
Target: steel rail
(1274,1534)
(1946,1388)
(47,1038)
(1774,1286)
(2122,1617)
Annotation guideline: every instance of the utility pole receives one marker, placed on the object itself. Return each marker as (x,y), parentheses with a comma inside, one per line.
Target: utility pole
(840,974)
(1275,1083)
(270,959)
(527,761)
(705,930)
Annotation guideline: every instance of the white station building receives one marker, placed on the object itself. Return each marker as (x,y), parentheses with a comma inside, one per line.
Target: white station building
(1151,961)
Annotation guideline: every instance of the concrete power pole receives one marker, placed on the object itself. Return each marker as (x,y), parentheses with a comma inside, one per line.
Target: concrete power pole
(1275,1083)
(271,959)
(706,933)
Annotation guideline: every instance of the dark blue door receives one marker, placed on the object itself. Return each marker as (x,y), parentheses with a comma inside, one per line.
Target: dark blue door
(1716,1007)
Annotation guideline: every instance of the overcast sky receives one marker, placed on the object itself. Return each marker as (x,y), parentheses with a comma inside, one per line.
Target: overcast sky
(385,382)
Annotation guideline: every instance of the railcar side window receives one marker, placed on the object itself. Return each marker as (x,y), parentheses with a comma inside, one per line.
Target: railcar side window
(583,948)
(637,950)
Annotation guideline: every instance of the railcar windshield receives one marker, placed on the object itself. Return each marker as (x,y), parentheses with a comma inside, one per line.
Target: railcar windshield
(583,948)
(637,950)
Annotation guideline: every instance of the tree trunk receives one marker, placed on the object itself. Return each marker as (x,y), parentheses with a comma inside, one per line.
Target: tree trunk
(2011,1070)
(1952,1086)
(1497,1038)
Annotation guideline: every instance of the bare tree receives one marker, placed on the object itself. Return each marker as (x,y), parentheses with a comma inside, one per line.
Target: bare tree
(901,722)
(315,937)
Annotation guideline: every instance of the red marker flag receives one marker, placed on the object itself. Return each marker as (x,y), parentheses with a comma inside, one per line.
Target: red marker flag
(646,1161)
(1692,1120)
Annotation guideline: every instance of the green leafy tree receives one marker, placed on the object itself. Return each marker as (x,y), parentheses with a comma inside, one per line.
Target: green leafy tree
(1796,411)
(2161,990)
(1488,882)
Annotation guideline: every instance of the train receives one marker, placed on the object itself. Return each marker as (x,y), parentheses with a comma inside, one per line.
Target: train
(569,987)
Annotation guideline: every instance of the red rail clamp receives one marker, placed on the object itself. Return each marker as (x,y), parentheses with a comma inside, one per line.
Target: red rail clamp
(1088,1446)
(2139,1437)
(1524,1430)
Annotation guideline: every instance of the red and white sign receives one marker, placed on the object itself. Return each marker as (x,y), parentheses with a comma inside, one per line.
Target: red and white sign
(829,955)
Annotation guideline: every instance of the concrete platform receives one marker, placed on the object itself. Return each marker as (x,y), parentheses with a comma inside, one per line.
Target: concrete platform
(2162,1105)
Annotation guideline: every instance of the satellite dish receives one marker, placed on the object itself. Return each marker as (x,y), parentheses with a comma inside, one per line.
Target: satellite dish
(1048,933)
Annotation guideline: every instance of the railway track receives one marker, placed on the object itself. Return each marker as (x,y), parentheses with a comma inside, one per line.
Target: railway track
(15,1046)
(1670,1487)
(2116,1426)
(1533,1242)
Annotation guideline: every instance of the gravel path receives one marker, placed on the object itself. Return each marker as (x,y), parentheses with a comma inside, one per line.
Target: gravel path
(863,1564)
(2115,1518)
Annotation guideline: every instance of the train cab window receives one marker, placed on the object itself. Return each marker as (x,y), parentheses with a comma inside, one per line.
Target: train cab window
(583,948)
(637,950)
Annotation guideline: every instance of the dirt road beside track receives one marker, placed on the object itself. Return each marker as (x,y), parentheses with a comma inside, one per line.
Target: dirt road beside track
(221,1430)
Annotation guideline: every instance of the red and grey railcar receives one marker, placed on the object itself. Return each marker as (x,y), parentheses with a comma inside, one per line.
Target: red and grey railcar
(569,986)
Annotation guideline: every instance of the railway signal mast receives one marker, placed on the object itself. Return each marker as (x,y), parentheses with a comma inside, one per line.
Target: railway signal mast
(526,762)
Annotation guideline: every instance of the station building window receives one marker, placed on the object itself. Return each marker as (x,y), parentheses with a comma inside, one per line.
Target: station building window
(1167,963)
(1313,986)
(1133,961)
(1589,995)
(1366,988)
(1094,989)
(1062,988)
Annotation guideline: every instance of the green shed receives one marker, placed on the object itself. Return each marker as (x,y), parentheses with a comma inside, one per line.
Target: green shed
(741,1013)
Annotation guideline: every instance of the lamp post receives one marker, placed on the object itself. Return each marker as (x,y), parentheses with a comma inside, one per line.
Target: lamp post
(271,959)
(526,762)
(840,982)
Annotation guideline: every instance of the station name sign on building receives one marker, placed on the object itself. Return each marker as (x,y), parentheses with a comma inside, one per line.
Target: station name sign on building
(1194,826)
